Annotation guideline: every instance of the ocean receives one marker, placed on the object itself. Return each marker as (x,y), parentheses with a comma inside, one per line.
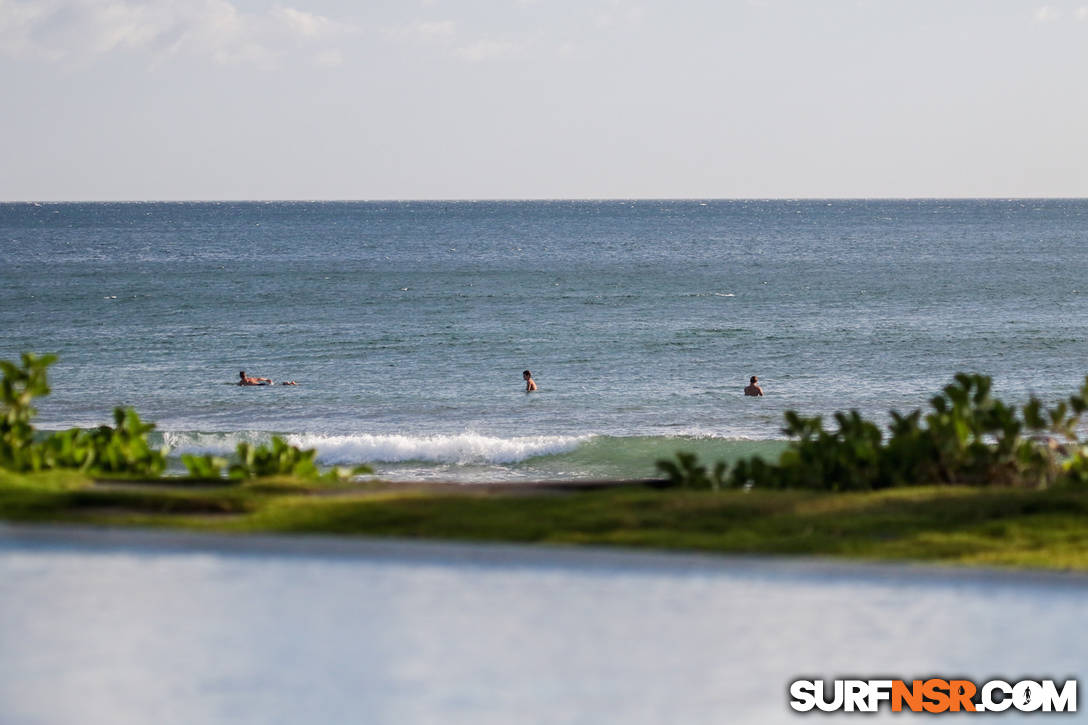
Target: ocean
(407,324)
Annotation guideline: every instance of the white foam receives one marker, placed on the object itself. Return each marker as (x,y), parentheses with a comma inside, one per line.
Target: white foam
(463,448)
(218,444)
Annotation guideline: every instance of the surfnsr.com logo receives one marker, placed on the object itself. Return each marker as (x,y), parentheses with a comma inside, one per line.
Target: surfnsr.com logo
(934,695)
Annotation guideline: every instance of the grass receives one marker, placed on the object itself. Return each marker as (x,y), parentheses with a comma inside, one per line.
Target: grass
(958,525)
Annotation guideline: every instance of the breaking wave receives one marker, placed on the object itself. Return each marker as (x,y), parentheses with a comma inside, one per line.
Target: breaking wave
(476,457)
(463,448)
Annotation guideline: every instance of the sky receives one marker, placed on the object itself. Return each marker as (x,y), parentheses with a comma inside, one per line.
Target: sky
(525,99)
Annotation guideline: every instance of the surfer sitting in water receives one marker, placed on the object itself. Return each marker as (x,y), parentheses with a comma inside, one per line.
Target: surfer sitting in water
(753,388)
(530,384)
(246,380)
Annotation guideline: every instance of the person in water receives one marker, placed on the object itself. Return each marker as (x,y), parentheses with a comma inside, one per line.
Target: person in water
(246,380)
(753,388)
(530,384)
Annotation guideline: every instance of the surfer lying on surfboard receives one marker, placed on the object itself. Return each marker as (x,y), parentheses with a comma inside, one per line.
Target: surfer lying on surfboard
(246,380)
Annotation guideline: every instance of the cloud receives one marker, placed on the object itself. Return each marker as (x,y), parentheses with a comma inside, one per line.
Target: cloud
(483,50)
(80,30)
(304,24)
(436,29)
(446,35)
(1047,13)
(328,59)
(1052,14)
(17,21)
(619,14)
(424,32)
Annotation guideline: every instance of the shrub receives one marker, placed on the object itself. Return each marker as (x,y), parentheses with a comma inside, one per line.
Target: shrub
(18,388)
(203,466)
(968,437)
(686,472)
(281,459)
(122,449)
(277,459)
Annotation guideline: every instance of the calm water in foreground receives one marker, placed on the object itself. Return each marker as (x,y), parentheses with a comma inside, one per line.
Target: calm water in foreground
(136,628)
(408,323)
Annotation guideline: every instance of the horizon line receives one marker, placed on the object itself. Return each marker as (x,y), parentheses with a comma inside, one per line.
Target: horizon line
(449,200)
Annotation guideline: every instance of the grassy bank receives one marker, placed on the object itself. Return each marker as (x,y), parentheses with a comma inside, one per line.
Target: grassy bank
(987,526)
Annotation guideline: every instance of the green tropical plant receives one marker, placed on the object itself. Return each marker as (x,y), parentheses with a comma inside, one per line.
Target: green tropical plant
(122,449)
(967,437)
(281,459)
(205,466)
(18,388)
(686,472)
